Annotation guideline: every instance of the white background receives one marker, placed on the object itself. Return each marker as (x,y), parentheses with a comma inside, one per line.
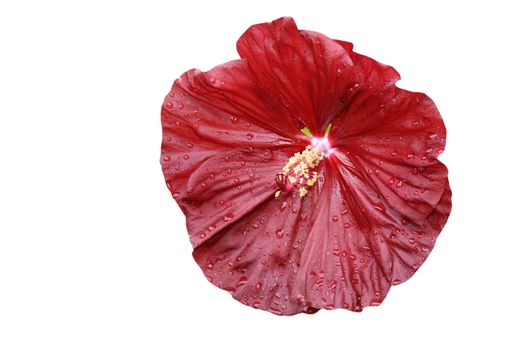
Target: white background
(93,249)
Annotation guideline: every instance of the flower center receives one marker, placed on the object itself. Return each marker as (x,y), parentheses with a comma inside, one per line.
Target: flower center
(299,174)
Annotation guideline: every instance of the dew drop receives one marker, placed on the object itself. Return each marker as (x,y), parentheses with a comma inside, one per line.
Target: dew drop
(180,105)
(186,157)
(250,136)
(279,233)
(228,217)
(209,265)
(380,207)
(169,105)
(212,228)
(236,181)
(189,145)
(399,183)
(256,304)
(241,282)
(258,287)
(166,158)
(335,218)
(374,302)
(283,206)
(396,282)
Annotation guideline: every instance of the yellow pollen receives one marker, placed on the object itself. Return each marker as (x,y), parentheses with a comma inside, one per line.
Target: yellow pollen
(298,171)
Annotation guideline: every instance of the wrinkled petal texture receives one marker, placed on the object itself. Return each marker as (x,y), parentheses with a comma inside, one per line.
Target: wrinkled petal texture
(381,199)
(307,71)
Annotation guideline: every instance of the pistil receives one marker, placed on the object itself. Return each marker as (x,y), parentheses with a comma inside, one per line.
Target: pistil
(300,173)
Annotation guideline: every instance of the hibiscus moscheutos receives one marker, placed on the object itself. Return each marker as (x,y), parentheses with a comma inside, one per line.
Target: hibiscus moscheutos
(308,179)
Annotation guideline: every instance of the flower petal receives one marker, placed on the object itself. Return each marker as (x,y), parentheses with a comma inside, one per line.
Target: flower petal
(307,71)
(376,74)
(391,139)
(354,254)
(226,187)
(256,258)
(204,116)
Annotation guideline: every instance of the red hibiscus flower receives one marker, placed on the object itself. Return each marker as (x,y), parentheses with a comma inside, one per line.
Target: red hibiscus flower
(308,179)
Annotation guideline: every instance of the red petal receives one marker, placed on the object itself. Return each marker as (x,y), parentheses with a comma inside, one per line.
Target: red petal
(391,139)
(307,71)
(376,74)
(353,255)
(257,257)
(227,187)
(206,114)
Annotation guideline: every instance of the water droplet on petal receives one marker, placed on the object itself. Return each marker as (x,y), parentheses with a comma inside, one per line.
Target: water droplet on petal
(241,282)
(279,233)
(169,105)
(380,207)
(189,145)
(166,158)
(335,218)
(228,217)
(250,136)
